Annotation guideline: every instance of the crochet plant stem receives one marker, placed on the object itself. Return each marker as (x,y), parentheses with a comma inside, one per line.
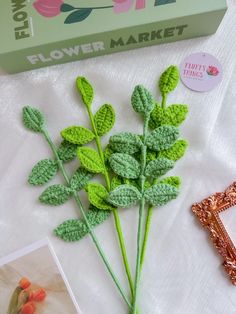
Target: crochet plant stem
(141,209)
(108,185)
(141,160)
(34,120)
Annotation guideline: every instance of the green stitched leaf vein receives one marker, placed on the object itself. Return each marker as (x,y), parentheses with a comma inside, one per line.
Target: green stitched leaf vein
(98,195)
(169,80)
(77,135)
(124,196)
(33,119)
(125,143)
(90,160)
(172,115)
(142,100)
(160,194)
(43,172)
(86,90)
(67,151)
(55,195)
(174,181)
(80,179)
(176,152)
(75,229)
(158,167)
(162,138)
(104,119)
(125,166)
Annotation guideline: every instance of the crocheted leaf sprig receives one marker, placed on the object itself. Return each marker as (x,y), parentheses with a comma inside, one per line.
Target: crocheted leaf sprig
(140,162)
(57,194)
(94,161)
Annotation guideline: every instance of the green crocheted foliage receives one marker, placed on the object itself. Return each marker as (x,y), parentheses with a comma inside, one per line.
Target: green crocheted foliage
(86,90)
(142,100)
(162,138)
(151,155)
(172,115)
(107,155)
(67,151)
(126,142)
(174,181)
(125,166)
(55,195)
(160,194)
(104,119)
(116,181)
(169,80)
(33,119)
(158,167)
(43,172)
(80,179)
(76,229)
(77,135)
(176,152)
(124,196)
(98,195)
(90,160)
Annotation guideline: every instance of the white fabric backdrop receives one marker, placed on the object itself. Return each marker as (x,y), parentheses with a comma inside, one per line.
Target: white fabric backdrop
(182,273)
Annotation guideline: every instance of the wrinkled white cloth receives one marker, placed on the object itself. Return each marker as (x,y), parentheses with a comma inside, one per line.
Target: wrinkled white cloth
(182,271)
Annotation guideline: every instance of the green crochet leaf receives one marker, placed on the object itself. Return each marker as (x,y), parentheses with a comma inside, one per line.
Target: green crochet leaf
(97,195)
(125,166)
(169,80)
(67,151)
(158,167)
(162,138)
(43,172)
(126,143)
(90,160)
(161,194)
(80,179)
(76,229)
(116,181)
(86,90)
(142,100)
(151,155)
(33,119)
(104,119)
(176,152)
(174,181)
(77,135)
(124,196)
(55,195)
(172,115)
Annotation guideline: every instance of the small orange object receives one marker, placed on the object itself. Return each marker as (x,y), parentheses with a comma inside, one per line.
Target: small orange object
(37,295)
(28,308)
(24,283)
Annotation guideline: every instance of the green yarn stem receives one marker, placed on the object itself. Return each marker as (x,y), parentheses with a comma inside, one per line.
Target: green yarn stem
(146,235)
(81,208)
(164,99)
(147,230)
(115,211)
(141,212)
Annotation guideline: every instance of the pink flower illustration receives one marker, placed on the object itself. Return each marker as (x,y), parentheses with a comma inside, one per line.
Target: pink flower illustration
(48,8)
(213,71)
(122,5)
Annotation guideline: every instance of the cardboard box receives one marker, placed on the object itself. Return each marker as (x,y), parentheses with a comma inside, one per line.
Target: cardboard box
(47,32)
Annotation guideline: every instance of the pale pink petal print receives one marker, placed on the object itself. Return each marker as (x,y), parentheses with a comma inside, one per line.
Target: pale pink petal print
(121,6)
(48,8)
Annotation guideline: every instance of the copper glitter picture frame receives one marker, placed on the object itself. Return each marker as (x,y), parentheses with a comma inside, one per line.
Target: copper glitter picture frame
(208,212)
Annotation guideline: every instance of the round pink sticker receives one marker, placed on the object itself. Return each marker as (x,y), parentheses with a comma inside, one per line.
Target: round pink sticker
(201,72)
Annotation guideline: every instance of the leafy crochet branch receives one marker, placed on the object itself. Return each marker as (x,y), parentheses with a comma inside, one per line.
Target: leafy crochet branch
(132,167)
